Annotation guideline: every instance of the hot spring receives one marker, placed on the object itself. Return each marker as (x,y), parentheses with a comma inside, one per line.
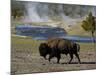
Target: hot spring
(45,32)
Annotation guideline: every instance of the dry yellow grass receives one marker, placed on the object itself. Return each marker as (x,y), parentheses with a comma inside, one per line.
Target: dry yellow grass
(78,30)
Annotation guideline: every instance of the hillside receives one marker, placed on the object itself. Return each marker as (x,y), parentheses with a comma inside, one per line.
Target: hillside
(66,16)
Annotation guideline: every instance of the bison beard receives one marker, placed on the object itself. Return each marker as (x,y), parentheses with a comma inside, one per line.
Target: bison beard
(56,47)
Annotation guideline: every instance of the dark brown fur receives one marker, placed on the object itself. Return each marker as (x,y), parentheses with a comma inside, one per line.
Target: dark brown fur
(54,47)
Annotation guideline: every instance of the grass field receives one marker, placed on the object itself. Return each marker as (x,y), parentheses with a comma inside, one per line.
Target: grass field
(25,58)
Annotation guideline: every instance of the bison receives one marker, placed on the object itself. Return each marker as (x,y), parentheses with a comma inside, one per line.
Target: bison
(56,47)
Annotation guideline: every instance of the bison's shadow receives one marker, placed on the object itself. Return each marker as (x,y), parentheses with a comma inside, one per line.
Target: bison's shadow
(80,63)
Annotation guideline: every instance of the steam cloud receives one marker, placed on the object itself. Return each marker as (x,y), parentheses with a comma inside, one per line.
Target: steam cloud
(35,12)
(42,12)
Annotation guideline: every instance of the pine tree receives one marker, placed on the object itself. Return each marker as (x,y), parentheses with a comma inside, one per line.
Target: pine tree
(89,24)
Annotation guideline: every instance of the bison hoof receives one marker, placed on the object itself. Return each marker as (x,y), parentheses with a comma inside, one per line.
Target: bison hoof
(79,63)
(69,62)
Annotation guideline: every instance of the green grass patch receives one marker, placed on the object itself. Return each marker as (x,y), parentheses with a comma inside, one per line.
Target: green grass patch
(87,46)
(22,44)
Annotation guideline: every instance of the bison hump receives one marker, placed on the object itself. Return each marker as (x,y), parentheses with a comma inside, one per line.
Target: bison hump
(53,43)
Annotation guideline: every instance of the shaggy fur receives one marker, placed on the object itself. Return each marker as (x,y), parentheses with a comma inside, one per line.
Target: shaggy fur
(56,47)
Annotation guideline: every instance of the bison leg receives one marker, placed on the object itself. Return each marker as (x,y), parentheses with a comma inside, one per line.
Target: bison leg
(58,58)
(71,55)
(45,57)
(51,56)
(77,57)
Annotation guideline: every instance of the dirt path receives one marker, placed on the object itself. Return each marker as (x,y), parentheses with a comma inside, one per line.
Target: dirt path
(24,62)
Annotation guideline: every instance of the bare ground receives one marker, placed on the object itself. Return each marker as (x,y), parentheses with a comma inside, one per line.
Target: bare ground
(25,59)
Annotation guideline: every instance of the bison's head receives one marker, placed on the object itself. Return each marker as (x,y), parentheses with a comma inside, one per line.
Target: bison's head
(44,50)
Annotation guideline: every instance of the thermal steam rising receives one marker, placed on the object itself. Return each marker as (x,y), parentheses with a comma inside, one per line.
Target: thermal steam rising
(44,12)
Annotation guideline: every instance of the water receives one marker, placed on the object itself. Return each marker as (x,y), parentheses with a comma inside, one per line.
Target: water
(45,32)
